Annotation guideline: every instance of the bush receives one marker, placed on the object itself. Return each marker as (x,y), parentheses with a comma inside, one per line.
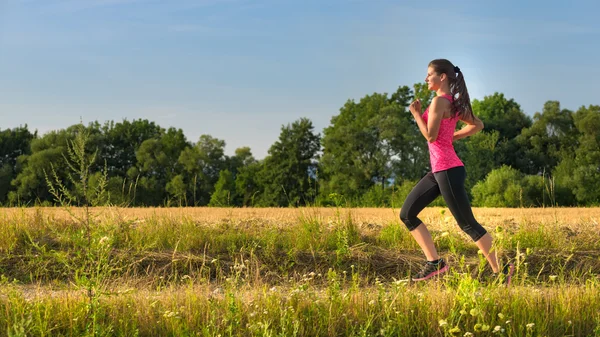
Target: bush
(501,188)
(508,187)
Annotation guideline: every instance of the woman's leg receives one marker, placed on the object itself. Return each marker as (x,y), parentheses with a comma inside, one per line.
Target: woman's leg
(423,238)
(421,195)
(452,187)
(485,244)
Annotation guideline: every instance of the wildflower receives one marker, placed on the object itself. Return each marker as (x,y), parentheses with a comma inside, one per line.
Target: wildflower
(501,315)
(169,314)
(445,234)
(442,323)
(454,330)
(468,334)
(485,327)
(477,327)
(474,312)
(553,277)
(530,326)
(371,302)
(497,328)
(463,312)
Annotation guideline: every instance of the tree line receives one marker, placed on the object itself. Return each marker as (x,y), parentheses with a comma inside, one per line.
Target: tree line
(371,154)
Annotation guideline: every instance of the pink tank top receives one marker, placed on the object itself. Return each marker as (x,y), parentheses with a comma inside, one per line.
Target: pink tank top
(441,152)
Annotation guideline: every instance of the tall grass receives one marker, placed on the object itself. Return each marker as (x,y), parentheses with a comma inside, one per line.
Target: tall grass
(307,272)
(310,307)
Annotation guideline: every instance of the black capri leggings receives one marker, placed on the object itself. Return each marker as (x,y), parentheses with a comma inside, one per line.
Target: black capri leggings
(451,185)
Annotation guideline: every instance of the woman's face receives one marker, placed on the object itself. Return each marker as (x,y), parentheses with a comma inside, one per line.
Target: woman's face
(433,79)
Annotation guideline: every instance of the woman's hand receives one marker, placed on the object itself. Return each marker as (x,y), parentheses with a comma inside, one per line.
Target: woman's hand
(415,107)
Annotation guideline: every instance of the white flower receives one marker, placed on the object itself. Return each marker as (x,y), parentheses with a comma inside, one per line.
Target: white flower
(468,334)
(497,328)
(530,326)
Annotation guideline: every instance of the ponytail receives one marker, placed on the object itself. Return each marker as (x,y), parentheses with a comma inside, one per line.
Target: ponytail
(462,101)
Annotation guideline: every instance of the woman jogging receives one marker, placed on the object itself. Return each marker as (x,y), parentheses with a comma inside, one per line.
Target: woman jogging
(447,176)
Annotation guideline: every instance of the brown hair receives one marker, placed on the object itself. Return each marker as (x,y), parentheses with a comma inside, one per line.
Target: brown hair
(458,87)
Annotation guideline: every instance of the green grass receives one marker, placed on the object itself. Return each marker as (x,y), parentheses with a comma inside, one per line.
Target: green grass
(167,275)
(311,307)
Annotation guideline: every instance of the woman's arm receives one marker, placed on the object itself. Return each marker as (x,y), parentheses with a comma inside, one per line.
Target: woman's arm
(473,126)
(431,129)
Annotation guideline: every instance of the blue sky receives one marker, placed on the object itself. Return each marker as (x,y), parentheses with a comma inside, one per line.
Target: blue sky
(238,69)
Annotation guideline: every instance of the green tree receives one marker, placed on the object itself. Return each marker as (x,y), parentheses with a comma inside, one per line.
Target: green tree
(242,157)
(247,185)
(224,190)
(506,118)
(157,164)
(288,173)
(200,166)
(244,168)
(550,137)
(14,143)
(178,190)
(372,142)
(502,115)
(480,155)
(30,184)
(122,141)
(579,169)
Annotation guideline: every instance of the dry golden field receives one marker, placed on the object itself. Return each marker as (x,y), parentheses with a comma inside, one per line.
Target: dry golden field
(292,272)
